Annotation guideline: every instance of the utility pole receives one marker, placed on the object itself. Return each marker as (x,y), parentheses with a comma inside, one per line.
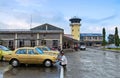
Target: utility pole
(30,21)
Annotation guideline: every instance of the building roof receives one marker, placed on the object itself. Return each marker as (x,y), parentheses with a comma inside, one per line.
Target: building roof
(68,35)
(90,34)
(70,38)
(75,20)
(39,29)
(46,27)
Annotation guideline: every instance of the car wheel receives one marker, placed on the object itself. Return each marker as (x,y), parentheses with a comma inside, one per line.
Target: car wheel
(15,63)
(47,63)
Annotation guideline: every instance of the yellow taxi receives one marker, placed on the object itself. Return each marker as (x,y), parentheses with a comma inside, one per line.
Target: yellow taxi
(48,51)
(30,55)
(3,51)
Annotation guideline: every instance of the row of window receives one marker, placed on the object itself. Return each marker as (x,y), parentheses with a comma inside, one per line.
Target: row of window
(32,43)
(30,51)
(91,38)
(73,29)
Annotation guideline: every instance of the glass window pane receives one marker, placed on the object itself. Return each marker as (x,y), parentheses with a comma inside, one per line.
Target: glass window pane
(30,51)
(39,50)
(21,51)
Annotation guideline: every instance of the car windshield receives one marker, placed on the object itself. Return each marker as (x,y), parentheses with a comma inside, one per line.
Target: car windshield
(39,50)
(4,48)
(46,49)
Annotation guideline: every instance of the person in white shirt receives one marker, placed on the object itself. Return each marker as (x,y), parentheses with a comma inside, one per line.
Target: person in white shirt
(63,60)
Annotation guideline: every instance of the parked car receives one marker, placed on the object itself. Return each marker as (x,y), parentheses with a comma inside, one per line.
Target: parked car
(48,51)
(3,51)
(30,55)
(82,47)
(110,46)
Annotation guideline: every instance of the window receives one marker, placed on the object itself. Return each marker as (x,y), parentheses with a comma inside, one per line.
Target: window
(30,51)
(95,38)
(21,51)
(55,43)
(32,43)
(4,48)
(39,50)
(43,42)
(45,48)
(89,37)
(11,44)
(21,43)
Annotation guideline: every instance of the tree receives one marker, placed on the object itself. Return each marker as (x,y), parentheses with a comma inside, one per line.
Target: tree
(104,35)
(111,39)
(116,37)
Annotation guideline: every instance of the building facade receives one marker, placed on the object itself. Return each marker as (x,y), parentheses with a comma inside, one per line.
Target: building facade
(45,34)
(91,39)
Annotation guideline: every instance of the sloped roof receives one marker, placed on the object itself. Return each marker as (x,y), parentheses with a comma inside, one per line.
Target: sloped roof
(46,27)
(69,37)
(90,34)
(39,29)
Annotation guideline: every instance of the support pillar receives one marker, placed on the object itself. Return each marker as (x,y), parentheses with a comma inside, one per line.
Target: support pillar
(16,42)
(38,37)
(61,40)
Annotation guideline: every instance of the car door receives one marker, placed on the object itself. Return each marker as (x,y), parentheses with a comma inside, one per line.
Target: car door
(39,55)
(21,55)
(34,57)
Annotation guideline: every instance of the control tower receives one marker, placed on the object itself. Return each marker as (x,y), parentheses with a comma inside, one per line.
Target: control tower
(75,27)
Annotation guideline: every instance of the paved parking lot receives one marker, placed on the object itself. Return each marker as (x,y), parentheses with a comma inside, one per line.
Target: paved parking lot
(30,71)
(93,63)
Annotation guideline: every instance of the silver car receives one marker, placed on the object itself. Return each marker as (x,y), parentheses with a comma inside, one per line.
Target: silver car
(82,47)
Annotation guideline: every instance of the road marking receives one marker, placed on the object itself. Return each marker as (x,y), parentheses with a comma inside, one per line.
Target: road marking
(62,72)
(4,70)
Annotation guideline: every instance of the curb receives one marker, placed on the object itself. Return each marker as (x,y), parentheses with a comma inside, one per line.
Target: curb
(6,69)
(61,72)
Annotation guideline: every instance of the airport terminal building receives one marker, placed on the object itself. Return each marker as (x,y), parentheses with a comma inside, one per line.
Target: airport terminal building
(91,39)
(44,34)
(49,35)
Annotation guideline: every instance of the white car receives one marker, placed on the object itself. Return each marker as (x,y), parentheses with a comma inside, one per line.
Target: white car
(82,47)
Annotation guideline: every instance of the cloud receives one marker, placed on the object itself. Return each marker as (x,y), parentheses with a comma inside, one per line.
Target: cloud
(9,21)
(52,17)
(22,20)
(100,20)
(31,3)
(109,17)
(110,29)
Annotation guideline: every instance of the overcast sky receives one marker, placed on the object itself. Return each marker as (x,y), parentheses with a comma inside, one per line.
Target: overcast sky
(95,14)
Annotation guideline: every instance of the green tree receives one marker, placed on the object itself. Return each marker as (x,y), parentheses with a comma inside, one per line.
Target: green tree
(104,35)
(116,37)
(111,39)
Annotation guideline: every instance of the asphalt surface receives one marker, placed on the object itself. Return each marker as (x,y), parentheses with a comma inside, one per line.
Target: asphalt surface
(92,63)
(30,71)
